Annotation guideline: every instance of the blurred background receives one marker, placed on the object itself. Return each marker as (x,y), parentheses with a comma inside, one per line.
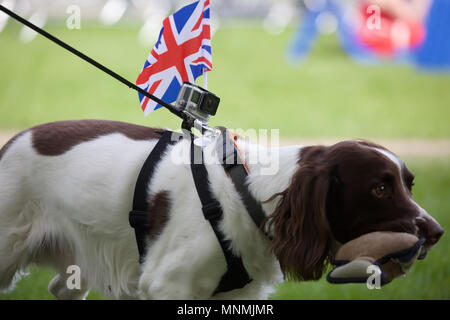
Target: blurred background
(320,71)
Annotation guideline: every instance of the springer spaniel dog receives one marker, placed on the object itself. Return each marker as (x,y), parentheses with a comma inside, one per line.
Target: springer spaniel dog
(66,189)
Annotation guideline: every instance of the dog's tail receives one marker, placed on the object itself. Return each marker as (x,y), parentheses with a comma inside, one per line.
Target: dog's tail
(17,234)
(10,262)
(13,227)
(14,254)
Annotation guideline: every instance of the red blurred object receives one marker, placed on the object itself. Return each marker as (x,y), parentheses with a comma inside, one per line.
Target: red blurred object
(385,34)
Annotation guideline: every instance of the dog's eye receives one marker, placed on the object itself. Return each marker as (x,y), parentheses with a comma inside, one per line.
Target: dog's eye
(379,190)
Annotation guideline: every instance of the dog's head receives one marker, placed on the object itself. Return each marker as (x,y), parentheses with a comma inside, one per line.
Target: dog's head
(338,194)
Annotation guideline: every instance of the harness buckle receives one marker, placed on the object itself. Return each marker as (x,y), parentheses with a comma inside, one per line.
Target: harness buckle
(212,210)
(138,219)
(229,153)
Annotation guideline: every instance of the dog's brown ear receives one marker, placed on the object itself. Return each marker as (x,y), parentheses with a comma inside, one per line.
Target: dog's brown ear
(301,233)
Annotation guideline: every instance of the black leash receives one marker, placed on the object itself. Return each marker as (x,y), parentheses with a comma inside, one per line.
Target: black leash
(174,109)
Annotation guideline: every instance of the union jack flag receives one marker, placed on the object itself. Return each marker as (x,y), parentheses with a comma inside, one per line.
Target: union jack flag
(182,53)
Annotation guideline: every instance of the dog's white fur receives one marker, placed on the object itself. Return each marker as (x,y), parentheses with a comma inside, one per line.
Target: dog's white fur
(72,209)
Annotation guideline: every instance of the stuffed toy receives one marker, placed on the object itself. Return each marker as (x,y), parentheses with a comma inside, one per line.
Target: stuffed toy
(393,252)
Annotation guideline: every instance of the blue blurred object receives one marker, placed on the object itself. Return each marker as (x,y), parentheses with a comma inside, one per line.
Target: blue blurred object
(304,38)
(434,54)
(307,33)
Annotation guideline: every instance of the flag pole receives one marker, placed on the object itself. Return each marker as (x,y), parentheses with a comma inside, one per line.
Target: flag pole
(205,78)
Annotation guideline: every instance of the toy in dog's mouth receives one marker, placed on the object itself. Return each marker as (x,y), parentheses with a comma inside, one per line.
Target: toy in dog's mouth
(393,252)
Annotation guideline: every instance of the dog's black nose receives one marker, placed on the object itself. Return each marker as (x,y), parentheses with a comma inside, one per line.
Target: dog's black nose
(435,233)
(430,229)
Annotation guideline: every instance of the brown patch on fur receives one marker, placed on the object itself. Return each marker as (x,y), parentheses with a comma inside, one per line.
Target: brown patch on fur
(9,143)
(56,138)
(158,214)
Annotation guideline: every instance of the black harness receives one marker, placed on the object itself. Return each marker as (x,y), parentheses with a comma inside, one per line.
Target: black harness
(236,276)
(138,217)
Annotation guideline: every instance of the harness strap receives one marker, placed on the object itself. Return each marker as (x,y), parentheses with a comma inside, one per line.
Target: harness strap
(238,172)
(138,217)
(236,276)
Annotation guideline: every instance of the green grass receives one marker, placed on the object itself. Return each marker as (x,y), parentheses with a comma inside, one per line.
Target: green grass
(328,95)
(427,279)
